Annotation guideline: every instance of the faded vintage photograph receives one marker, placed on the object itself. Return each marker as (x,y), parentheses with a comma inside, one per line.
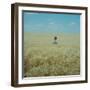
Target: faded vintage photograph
(51,44)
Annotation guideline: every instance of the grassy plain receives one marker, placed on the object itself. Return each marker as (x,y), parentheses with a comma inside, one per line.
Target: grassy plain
(44,58)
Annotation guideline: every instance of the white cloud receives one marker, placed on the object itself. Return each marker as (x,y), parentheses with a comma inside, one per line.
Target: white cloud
(72,24)
(49,19)
(51,23)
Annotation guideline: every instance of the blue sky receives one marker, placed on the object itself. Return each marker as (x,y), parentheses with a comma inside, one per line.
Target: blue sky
(51,23)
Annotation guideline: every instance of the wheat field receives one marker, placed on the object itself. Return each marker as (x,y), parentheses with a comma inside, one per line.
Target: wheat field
(44,58)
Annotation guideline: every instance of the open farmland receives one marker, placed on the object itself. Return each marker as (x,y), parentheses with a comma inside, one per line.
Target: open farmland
(44,58)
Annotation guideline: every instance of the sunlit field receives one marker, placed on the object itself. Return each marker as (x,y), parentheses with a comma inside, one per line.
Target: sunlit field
(44,58)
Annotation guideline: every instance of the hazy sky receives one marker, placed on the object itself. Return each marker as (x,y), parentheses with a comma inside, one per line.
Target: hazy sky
(46,22)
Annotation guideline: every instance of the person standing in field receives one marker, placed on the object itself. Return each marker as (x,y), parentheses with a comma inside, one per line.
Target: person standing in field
(55,40)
